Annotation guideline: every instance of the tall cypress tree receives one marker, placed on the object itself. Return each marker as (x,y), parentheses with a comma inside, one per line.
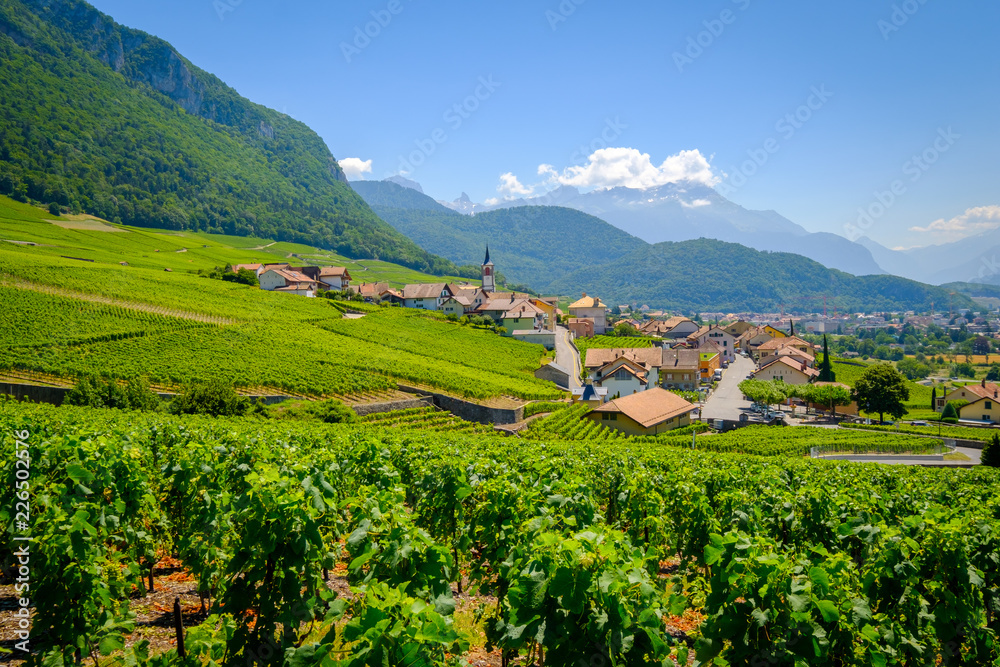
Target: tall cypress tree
(934,398)
(826,373)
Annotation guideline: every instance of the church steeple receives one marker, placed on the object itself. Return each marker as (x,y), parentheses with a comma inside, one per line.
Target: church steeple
(489,280)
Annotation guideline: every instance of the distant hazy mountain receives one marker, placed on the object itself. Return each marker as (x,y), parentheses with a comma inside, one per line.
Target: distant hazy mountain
(684,211)
(532,245)
(706,274)
(565,251)
(975,259)
(406,183)
(465,205)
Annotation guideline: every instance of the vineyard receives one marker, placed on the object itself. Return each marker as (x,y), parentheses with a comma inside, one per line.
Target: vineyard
(425,419)
(577,554)
(273,341)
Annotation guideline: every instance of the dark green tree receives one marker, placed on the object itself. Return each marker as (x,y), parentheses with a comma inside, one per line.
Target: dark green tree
(950,413)
(215,398)
(826,373)
(882,390)
(991,452)
(934,398)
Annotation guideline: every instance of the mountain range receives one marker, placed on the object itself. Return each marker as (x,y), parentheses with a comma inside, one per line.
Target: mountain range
(562,250)
(688,210)
(975,259)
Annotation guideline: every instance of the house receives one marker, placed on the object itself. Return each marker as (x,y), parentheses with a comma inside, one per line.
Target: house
(514,313)
(392,296)
(623,377)
(675,328)
(599,362)
(970,393)
(645,413)
(286,280)
(554,373)
(788,370)
(370,290)
(592,308)
(708,363)
(593,397)
(679,369)
(796,354)
(334,278)
(983,409)
(426,296)
(771,348)
(581,327)
(725,341)
(457,306)
(548,307)
(739,328)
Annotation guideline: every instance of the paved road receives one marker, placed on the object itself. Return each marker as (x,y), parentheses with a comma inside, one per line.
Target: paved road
(567,357)
(727,401)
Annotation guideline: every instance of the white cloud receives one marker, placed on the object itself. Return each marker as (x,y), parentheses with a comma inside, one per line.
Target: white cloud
(355,167)
(973,221)
(511,187)
(627,167)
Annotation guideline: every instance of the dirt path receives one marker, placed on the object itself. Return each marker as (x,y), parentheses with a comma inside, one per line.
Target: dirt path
(17,283)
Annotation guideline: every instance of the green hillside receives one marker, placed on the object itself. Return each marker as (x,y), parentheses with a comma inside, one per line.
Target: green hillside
(101,119)
(534,245)
(68,306)
(712,275)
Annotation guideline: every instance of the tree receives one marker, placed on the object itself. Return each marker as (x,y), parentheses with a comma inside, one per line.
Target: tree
(830,395)
(934,398)
(766,393)
(991,452)
(826,373)
(215,398)
(950,413)
(625,330)
(964,370)
(96,392)
(882,389)
(913,369)
(993,375)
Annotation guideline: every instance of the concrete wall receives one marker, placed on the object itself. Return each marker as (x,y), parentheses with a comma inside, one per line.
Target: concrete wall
(392,406)
(469,411)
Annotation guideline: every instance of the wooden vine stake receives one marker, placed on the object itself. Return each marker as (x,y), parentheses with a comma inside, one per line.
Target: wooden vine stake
(179,628)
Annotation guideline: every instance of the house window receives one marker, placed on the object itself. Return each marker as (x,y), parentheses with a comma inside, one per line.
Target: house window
(669,376)
(989,405)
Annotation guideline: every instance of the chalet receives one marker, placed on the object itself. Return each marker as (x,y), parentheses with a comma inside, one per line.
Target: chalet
(623,377)
(787,370)
(646,413)
(258,269)
(288,281)
(426,296)
(590,307)
(795,353)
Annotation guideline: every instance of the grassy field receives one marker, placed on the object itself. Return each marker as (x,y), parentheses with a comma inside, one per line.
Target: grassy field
(65,317)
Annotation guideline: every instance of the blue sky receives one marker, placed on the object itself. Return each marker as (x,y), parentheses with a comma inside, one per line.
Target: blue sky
(873,84)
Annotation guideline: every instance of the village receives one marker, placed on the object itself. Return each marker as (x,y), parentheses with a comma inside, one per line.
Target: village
(684,370)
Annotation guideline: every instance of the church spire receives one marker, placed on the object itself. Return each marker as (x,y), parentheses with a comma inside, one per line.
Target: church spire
(489,280)
(487,262)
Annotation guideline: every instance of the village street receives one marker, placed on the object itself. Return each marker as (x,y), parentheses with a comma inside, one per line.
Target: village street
(727,401)
(567,357)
